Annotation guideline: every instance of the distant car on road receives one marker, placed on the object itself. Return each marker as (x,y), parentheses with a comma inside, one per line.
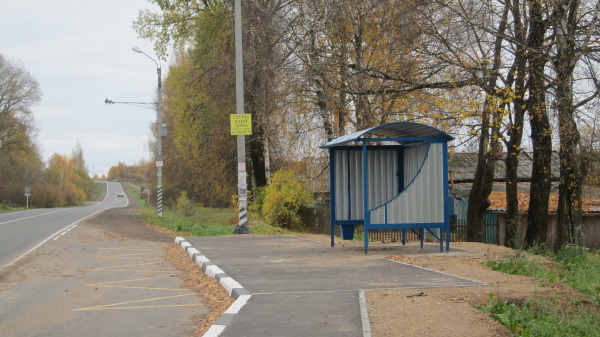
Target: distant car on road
(120,194)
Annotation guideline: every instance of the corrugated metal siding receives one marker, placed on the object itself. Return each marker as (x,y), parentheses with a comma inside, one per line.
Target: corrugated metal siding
(383,181)
(341,185)
(423,200)
(383,178)
(356,185)
(413,159)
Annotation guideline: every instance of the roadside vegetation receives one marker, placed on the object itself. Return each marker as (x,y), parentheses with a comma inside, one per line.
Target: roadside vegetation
(98,191)
(190,219)
(4,207)
(573,265)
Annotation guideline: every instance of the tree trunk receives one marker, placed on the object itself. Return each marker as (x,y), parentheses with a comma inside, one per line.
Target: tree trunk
(541,136)
(486,164)
(569,204)
(515,131)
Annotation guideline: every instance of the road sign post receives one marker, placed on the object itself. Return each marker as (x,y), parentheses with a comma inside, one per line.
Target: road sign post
(27,194)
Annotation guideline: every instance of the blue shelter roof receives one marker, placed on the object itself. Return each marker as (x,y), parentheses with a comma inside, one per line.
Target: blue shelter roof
(407,131)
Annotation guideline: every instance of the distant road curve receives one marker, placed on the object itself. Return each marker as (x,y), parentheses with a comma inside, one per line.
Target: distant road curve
(24,231)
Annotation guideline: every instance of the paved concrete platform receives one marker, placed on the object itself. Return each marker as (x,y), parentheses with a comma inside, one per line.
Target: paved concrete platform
(293,279)
(298,314)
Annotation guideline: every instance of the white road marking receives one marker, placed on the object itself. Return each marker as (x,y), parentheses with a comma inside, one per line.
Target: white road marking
(214,331)
(238,304)
(33,216)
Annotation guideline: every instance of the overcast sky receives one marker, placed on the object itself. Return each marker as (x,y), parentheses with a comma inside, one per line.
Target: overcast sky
(80,53)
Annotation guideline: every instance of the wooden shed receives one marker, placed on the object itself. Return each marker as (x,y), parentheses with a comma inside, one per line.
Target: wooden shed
(405,185)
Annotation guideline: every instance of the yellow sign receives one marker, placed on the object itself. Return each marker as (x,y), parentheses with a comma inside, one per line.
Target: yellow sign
(241,124)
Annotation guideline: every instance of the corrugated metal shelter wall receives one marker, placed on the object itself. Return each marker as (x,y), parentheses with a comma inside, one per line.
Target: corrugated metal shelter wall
(356,185)
(383,180)
(412,161)
(422,201)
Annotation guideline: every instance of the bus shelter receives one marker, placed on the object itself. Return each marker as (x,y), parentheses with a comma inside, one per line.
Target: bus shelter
(392,176)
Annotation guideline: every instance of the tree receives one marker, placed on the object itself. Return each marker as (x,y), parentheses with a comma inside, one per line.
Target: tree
(576,35)
(19,91)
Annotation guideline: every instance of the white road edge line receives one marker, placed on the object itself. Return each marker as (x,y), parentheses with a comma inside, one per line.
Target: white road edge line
(33,216)
(215,331)
(364,313)
(55,234)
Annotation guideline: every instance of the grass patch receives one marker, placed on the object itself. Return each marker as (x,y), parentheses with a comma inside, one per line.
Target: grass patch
(270,230)
(4,207)
(205,221)
(202,222)
(544,318)
(199,221)
(573,265)
(98,191)
(520,264)
(361,237)
(136,196)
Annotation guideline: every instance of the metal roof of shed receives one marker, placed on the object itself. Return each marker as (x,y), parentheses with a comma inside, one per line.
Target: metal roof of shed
(406,130)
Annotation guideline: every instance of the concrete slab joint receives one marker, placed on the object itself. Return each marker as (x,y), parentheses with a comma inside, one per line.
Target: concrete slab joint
(234,289)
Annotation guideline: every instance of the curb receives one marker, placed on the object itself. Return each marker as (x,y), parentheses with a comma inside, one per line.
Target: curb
(234,289)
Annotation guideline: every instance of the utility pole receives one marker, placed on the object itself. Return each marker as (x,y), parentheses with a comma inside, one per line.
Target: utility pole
(161,132)
(242,227)
(159,159)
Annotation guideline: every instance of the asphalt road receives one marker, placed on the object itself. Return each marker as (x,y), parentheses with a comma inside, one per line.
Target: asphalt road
(23,232)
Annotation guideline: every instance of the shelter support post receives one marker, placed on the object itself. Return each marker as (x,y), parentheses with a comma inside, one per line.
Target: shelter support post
(367,214)
(403,236)
(446,204)
(422,234)
(332,194)
(447,240)
(441,240)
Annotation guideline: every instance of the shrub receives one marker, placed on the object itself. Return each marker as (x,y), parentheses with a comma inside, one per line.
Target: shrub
(46,196)
(255,205)
(185,205)
(283,199)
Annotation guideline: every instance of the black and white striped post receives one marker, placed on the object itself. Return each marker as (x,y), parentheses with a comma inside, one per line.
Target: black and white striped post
(159,201)
(243,121)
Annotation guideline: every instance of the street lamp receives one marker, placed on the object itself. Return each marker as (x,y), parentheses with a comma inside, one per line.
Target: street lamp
(159,158)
